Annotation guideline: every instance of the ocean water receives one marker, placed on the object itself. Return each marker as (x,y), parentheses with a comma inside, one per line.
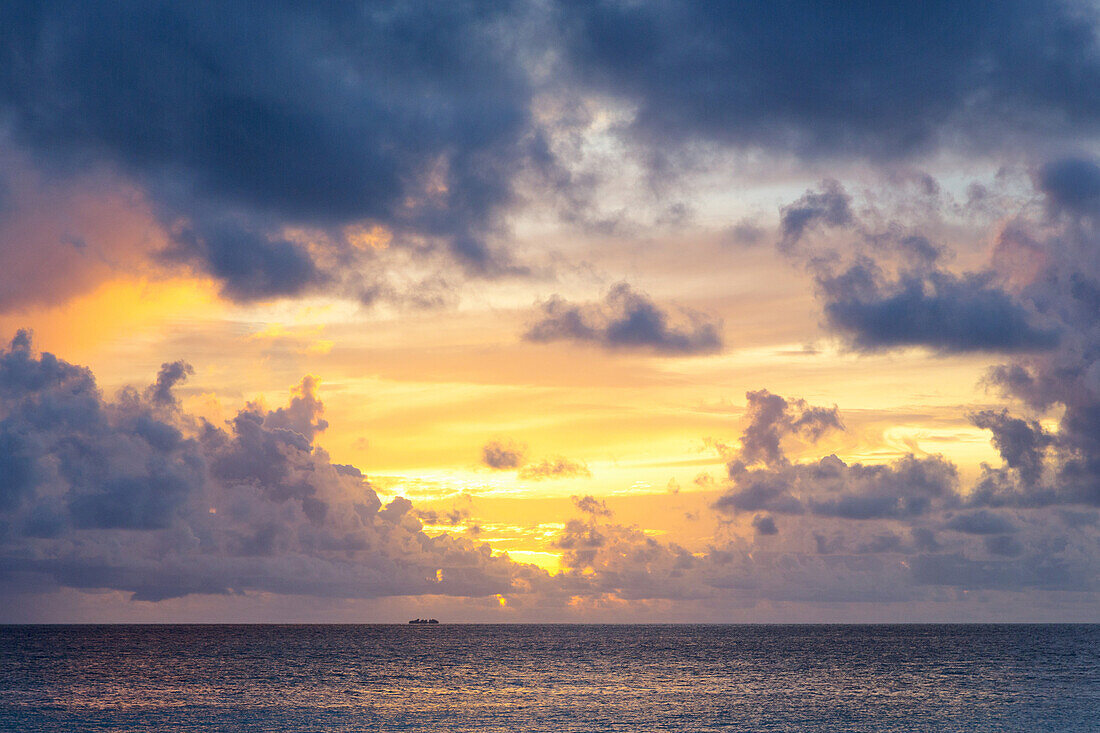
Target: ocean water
(550,678)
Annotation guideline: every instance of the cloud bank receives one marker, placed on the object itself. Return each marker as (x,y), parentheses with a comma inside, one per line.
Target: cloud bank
(135,495)
(132,494)
(245,122)
(843,80)
(264,139)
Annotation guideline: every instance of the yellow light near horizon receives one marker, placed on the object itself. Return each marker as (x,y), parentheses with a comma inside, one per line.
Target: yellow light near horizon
(548,561)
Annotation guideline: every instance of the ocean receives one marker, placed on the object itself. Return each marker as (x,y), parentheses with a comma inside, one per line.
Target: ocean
(558,678)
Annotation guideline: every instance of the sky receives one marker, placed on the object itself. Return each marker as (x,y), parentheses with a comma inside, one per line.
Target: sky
(549,311)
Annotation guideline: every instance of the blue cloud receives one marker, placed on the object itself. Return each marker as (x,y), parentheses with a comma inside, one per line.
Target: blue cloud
(828,79)
(946,312)
(244,119)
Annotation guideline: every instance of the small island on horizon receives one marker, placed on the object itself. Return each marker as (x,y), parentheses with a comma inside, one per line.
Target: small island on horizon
(424,621)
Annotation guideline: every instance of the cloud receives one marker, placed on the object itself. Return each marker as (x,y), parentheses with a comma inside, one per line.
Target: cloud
(745,232)
(896,532)
(133,494)
(830,207)
(1017,574)
(871,563)
(1035,302)
(112,466)
(451,518)
(507,456)
(763,478)
(907,488)
(252,265)
(1060,465)
(503,456)
(169,376)
(980,522)
(1071,185)
(626,319)
(886,286)
(602,559)
(591,505)
(764,525)
(860,515)
(771,418)
(259,146)
(554,468)
(1021,443)
(414,117)
(1003,544)
(844,79)
(1079,519)
(935,309)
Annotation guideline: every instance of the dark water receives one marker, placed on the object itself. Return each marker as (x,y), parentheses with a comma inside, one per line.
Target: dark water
(550,678)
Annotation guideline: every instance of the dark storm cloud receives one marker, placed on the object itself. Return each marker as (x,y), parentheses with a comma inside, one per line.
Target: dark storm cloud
(881,81)
(503,456)
(626,319)
(242,120)
(935,309)
(135,495)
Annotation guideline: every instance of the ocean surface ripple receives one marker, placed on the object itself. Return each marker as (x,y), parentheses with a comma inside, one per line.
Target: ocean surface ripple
(559,678)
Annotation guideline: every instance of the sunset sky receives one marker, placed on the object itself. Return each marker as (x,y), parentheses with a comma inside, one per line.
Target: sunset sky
(545,310)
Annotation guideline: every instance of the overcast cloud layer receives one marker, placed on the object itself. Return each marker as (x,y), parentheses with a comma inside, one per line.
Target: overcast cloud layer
(243,125)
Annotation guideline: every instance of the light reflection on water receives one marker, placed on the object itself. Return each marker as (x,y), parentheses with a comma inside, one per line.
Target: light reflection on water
(550,678)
